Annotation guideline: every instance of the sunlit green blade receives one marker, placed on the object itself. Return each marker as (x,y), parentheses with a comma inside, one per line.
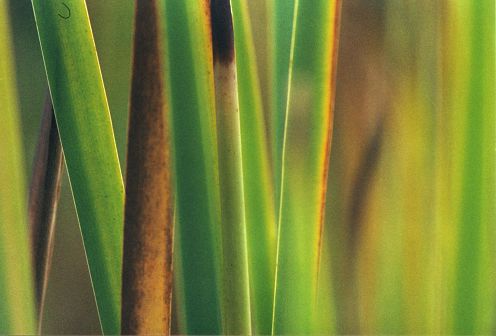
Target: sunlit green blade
(473,92)
(281,28)
(189,85)
(259,202)
(86,134)
(307,136)
(147,256)
(17,309)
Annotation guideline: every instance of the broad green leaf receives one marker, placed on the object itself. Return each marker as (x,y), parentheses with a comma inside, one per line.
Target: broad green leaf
(258,190)
(85,128)
(189,84)
(17,309)
(307,139)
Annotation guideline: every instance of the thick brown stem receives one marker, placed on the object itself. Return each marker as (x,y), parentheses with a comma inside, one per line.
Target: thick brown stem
(147,261)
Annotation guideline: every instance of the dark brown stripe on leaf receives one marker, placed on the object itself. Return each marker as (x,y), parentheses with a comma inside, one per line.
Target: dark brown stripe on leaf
(43,199)
(147,259)
(222,30)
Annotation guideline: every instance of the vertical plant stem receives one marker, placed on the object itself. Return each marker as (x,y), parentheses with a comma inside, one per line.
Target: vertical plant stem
(235,281)
(17,307)
(147,263)
(306,151)
(43,201)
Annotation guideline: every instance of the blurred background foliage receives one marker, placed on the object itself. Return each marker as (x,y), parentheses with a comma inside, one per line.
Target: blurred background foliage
(410,218)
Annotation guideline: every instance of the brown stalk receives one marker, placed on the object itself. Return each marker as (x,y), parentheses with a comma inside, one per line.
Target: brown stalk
(147,262)
(43,200)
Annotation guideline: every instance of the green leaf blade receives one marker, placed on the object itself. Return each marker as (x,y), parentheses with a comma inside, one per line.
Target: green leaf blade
(189,85)
(83,118)
(258,187)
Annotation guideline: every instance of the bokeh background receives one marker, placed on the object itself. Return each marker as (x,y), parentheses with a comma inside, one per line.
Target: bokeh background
(390,229)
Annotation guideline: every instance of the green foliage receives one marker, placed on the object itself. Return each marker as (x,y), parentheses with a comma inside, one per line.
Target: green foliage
(307,141)
(407,245)
(257,181)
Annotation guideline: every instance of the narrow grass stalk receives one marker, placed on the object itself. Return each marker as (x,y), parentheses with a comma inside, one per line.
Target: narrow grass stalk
(17,309)
(147,263)
(189,85)
(282,28)
(235,281)
(308,130)
(43,201)
(473,306)
(258,187)
(86,134)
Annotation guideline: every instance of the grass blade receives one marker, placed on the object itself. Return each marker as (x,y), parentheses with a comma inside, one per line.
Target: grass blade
(283,15)
(86,134)
(17,310)
(43,201)
(147,266)
(190,87)
(305,161)
(473,306)
(235,281)
(258,189)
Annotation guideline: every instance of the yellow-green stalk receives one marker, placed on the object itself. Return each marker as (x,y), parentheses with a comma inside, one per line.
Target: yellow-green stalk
(472,104)
(17,310)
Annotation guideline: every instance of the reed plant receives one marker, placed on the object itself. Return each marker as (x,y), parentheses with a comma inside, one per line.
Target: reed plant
(291,167)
